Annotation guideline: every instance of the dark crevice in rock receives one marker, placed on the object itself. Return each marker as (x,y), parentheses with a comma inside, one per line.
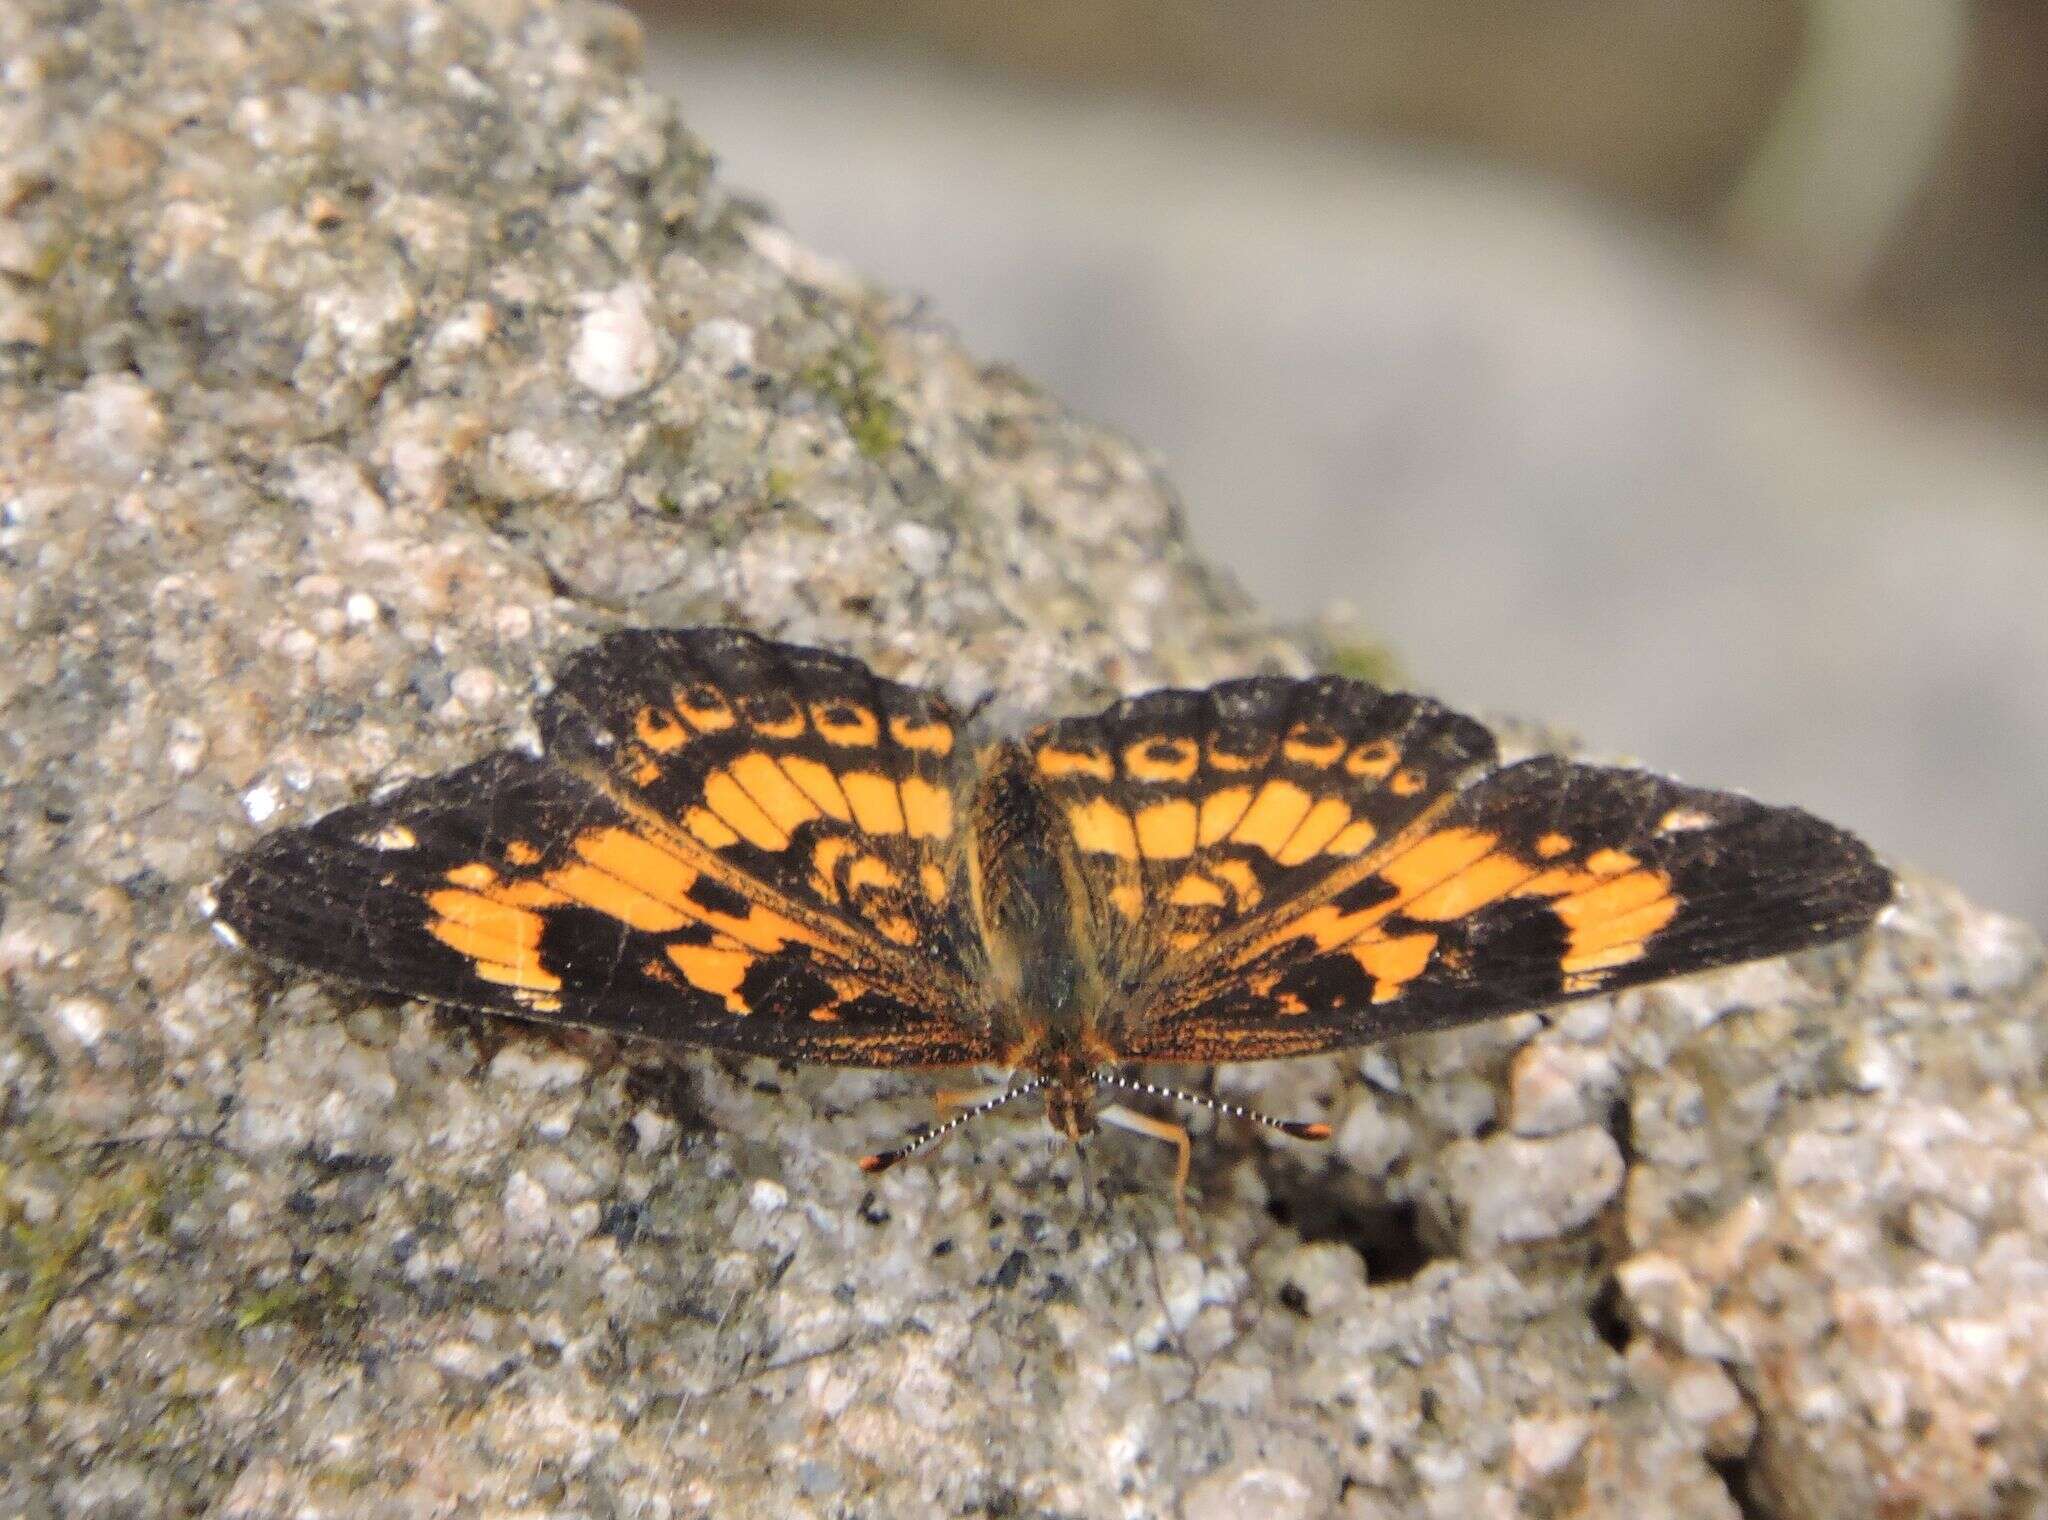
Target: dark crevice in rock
(1387,1236)
(1609,1322)
(1739,1474)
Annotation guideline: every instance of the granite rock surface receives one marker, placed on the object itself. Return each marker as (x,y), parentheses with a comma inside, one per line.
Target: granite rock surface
(359,361)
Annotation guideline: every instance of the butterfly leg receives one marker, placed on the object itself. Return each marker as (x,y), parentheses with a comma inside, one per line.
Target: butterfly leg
(1159,1129)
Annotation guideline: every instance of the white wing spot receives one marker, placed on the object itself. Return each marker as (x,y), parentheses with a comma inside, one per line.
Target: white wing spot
(1683,819)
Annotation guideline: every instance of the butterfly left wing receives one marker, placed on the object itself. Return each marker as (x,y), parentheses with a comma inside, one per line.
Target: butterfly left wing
(1541,882)
(727,842)
(1282,867)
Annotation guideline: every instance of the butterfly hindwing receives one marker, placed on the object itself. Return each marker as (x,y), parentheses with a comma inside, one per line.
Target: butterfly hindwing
(728,842)
(1541,882)
(1193,812)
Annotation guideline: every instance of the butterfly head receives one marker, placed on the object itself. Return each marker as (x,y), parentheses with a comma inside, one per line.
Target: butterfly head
(1070,1100)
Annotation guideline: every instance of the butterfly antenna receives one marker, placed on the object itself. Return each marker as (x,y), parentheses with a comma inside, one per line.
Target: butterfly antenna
(1300,1129)
(881,1161)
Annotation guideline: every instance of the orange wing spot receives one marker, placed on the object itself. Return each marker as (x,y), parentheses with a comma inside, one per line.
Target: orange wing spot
(1550,846)
(846,724)
(933,880)
(526,976)
(1376,758)
(704,708)
(820,785)
(1407,783)
(828,852)
(927,811)
(1558,881)
(1329,926)
(1312,744)
(1352,840)
(714,969)
(1195,890)
(1434,858)
(1161,759)
(741,813)
(1611,862)
(634,881)
(1486,880)
(1393,963)
(931,735)
(1166,830)
(1242,880)
(1056,764)
(1220,813)
(874,872)
(475,874)
(519,852)
(761,929)
(1596,941)
(497,927)
(877,808)
(824,1013)
(647,772)
(1187,939)
(612,897)
(1579,962)
(708,829)
(1611,899)
(527,894)
(1128,898)
(1273,816)
(896,928)
(786,725)
(787,805)
(1102,828)
(1236,761)
(659,730)
(1316,830)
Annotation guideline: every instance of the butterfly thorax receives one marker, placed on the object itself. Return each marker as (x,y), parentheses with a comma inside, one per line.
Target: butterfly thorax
(1044,977)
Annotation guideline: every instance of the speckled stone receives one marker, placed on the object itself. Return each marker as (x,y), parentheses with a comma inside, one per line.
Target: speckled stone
(358,362)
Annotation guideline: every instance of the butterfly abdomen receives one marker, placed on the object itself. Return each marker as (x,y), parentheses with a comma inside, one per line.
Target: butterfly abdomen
(1027,902)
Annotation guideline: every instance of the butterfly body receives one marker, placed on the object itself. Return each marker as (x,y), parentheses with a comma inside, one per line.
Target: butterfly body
(1046,984)
(737,844)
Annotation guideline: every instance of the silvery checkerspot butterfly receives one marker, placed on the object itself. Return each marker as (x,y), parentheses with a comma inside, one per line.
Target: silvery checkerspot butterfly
(766,849)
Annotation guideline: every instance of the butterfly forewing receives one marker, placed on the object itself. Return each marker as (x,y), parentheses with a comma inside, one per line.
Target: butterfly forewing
(728,842)
(1538,883)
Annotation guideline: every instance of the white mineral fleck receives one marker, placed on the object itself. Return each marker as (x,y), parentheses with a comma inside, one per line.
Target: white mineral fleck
(475,687)
(617,349)
(83,1018)
(1544,1445)
(528,1209)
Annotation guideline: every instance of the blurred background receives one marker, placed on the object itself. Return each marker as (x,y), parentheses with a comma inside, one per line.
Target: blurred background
(1677,373)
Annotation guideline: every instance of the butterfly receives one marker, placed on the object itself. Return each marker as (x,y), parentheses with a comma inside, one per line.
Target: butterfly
(750,846)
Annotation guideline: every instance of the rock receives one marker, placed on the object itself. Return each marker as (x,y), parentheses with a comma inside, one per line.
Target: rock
(339,439)
(1507,1190)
